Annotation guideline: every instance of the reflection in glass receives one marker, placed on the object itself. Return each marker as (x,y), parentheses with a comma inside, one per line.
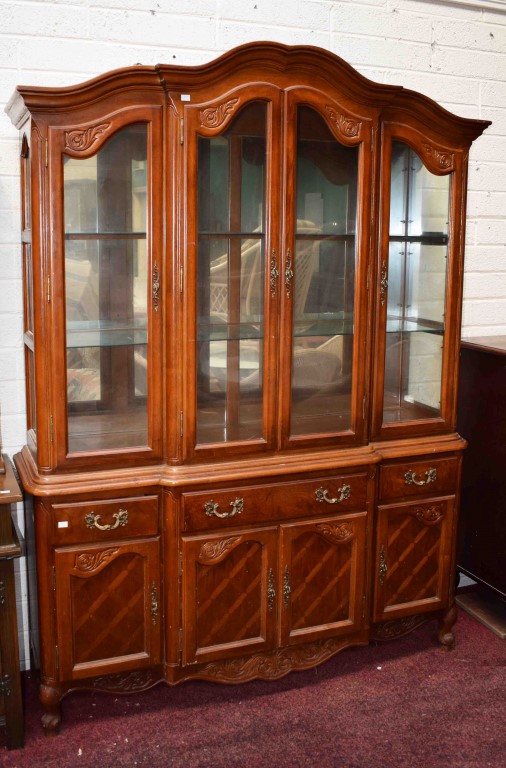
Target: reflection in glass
(417,262)
(231,220)
(106,294)
(324,278)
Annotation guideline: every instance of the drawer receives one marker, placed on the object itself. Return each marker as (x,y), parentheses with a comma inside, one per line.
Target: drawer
(419,477)
(227,507)
(105,520)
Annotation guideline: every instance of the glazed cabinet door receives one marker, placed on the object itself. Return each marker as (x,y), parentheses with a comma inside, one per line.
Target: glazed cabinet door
(322,572)
(323,279)
(107,267)
(232,257)
(414,557)
(229,594)
(419,285)
(108,608)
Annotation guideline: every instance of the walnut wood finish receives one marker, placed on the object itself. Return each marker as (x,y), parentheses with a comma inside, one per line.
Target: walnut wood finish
(261,527)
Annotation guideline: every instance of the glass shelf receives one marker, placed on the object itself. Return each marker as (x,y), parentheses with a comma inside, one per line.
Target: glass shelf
(223,331)
(398,325)
(91,333)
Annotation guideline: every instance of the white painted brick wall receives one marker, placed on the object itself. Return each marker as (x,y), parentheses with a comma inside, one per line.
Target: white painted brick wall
(453,52)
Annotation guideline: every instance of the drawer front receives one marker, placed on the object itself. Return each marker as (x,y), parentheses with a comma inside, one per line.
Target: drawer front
(226,507)
(105,520)
(417,477)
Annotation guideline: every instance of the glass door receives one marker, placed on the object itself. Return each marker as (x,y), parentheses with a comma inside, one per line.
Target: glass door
(414,283)
(110,273)
(106,293)
(233,258)
(322,273)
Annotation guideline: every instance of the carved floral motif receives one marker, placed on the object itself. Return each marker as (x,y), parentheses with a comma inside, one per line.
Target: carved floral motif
(269,666)
(443,159)
(212,550)
(79,141)
(90,561)
(126,683)
(336,532)
(430,513)
(213,117)
(346,126)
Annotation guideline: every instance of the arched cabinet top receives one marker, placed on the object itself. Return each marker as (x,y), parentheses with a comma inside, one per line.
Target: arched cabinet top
(253,62)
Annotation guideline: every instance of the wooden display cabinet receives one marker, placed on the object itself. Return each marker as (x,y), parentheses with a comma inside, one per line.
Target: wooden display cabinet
(243,288)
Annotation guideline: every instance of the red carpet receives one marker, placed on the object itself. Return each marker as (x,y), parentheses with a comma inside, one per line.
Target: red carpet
(404,704)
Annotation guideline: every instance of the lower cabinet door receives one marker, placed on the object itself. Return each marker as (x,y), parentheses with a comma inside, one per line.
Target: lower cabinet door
(413,557)
(229,594)
(108,608)
(322,575)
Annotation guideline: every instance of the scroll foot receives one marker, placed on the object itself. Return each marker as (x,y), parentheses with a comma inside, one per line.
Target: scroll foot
(445,634)
(50,698)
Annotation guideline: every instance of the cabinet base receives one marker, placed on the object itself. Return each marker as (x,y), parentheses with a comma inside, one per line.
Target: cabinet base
(262,666)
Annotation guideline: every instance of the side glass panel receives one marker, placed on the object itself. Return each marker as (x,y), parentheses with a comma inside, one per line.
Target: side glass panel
(417,261)
(324,279)
(231,234)
(106,294)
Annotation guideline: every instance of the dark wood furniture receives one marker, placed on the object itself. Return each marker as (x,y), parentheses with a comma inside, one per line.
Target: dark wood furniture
(481,419)
(242,320)
(11,543)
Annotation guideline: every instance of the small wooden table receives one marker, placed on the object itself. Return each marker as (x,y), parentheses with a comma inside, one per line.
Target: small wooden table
(11,546)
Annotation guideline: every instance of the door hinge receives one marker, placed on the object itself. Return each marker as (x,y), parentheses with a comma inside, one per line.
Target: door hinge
(181,640)
(181,130)
(180,563)
(363,606)
(51,429)
(180,423)
(54,579)
(364,407)
(180,280)
(46,153)
(48,289)
(57,656)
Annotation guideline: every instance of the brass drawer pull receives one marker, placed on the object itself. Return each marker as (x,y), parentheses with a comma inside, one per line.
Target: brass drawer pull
(430,477)
(121,517)
(212,509)
(344,493)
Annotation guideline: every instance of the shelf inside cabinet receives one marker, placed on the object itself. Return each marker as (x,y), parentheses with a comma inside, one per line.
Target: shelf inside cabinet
(92,333)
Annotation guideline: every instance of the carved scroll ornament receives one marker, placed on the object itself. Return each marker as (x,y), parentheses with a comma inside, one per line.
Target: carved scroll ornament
(91,561)
(345,125)
(214,117)
(80,141)
(441,158)
(335,532)
(212,550)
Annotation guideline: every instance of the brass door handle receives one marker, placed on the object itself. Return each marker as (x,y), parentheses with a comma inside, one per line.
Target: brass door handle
(271,591)
(344,492)
(383,567)
(430,477)
(211,508)
(92,520)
